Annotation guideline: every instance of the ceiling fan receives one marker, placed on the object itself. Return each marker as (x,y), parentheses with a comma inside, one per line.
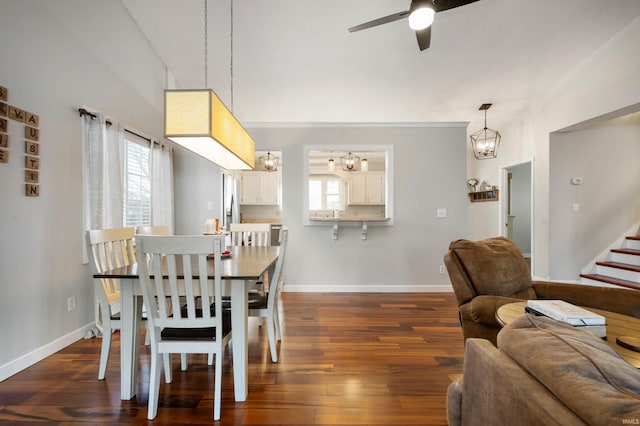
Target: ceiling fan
(420,16)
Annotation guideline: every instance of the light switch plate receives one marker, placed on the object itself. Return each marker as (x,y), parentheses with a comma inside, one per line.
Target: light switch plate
(441,213)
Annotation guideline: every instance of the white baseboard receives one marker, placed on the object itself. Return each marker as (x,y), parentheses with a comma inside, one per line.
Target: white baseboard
(367,288)
(12,367)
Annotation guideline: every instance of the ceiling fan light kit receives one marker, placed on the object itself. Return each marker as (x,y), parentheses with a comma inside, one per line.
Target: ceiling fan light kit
(485,142)
(420,16)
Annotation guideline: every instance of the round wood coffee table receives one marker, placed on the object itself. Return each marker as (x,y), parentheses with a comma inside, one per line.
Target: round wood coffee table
(618,326)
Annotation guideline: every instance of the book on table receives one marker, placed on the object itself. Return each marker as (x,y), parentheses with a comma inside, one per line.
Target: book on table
(571,314)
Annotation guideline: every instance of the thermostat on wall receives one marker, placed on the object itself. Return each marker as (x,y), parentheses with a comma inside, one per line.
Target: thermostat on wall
(576,181)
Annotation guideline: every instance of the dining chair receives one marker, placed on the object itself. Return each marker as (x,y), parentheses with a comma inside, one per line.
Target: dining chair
(108,249)
(252,234)
(151,230)
(166,265)
(266,305)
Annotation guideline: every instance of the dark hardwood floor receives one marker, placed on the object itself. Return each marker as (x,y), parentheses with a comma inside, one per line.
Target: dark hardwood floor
(345,359)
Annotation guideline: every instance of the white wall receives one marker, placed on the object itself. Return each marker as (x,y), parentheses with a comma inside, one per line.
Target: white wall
(57,56)
(429,174)
(605,84)
(606,157)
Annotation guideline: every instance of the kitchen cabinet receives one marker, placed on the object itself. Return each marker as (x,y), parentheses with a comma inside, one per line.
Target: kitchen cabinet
(260,188)
(367,188)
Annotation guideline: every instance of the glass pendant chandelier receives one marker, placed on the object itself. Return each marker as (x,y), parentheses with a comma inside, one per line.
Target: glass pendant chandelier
(485,142)
(269,162)
(350,162)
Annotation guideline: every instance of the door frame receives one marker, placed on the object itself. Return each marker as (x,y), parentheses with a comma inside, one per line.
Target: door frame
(504,199)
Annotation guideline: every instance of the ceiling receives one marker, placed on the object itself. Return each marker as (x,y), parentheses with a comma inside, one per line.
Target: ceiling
(295,61)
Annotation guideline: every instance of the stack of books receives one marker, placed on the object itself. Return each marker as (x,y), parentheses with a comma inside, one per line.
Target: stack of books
(571,314)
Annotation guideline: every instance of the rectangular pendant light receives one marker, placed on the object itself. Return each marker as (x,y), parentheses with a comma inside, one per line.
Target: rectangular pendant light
(198,120)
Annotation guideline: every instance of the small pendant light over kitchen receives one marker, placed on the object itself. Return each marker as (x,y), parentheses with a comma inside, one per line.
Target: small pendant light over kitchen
(485,142)
(269,162)
(350,162)
(198,120)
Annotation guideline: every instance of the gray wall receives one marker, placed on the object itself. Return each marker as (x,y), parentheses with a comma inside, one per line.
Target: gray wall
(57,56)
(606,158)
(429,174)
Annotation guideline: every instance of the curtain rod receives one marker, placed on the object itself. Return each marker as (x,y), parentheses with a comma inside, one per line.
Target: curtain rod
(93,116)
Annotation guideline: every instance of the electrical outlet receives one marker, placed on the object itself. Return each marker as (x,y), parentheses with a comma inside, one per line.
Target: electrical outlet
(442,269)
(71,303)
(441,212)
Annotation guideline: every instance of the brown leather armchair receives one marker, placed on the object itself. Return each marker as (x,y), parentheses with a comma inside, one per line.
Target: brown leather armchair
(489,273)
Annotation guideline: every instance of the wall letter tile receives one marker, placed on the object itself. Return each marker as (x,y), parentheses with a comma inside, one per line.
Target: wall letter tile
(31,176)
(31,148)
(31,119)
(32,163)
(3,125)
(4,156)
(31,133)
(32,190)
(4,94)
(16,114)
(4,109)
(4,140)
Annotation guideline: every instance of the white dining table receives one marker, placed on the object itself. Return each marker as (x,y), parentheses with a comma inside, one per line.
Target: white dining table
(245,264)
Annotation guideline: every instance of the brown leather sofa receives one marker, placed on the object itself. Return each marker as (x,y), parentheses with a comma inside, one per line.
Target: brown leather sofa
(544,372)
(489,273)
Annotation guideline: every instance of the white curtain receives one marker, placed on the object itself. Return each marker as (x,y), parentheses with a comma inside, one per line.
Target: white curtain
(161,185)
(103,184)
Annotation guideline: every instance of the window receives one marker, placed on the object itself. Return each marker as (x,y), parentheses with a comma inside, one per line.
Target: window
(137,183)
(326,193)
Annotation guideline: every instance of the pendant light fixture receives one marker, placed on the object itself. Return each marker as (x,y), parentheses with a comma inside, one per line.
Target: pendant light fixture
(350,162)
(269,162)
(199,121)
(364,165)
(331,165)
(485,142)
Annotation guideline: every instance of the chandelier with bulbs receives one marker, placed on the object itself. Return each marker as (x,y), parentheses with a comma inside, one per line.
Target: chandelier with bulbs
(485,142)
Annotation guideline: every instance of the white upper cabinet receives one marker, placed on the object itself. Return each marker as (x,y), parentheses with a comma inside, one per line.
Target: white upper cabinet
(260,188)
(367,188)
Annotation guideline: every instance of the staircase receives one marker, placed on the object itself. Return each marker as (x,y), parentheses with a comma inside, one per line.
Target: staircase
(622,267)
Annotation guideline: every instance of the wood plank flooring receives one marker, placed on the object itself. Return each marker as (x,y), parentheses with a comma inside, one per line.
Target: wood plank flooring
(345,359)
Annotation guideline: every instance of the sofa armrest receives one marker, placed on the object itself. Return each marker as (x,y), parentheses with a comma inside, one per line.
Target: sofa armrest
(482,309)
(454,403)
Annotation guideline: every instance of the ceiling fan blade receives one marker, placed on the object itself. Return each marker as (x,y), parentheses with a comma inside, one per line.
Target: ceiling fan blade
(424,38)
(441,5)
(380,21)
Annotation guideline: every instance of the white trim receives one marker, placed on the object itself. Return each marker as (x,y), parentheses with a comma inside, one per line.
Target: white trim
(367,288)
(21,363)
(258,124)
(502,208)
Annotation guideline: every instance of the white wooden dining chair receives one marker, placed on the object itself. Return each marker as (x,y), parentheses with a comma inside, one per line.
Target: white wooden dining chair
(266,305)
(151,230)
(108,249)
(190,329)
(250,234)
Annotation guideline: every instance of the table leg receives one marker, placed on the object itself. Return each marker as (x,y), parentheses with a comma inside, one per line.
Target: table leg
(130,314)
(240,330)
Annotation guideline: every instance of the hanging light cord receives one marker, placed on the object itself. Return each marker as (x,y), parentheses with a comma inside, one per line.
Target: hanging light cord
(231,54)
(206,46)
